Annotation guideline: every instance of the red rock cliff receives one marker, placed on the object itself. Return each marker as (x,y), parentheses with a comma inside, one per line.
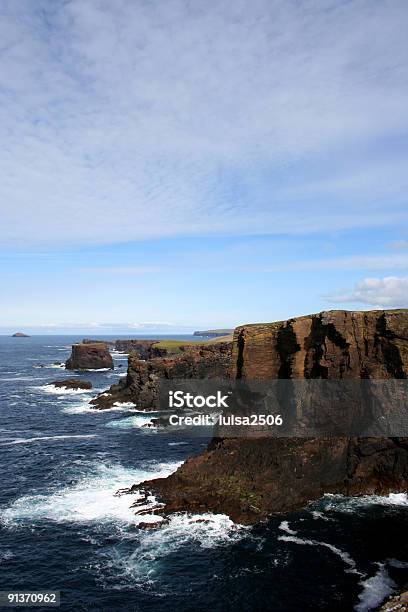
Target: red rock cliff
(250,478)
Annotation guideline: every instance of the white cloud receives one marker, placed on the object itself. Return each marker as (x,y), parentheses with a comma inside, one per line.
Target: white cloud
(124,270)
(387,292)
(125,120)
(152,325)
(399,245)
(102,328)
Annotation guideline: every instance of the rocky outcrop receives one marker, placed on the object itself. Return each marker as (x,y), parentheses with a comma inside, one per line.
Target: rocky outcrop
(396,603)
(72,383)
(20,335)
(89,357)
(250,478)
(145,349)
(142,383)
(331,345)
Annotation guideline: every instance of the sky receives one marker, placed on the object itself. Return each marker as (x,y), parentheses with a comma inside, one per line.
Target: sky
(171,166)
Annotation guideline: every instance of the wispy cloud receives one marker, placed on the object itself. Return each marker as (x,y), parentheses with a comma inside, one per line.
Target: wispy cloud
(126,120)
(103,328)
(124,270)
(387,292)
(350,262)
(399,245)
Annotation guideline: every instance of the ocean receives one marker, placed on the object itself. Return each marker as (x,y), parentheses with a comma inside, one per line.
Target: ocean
(62,527)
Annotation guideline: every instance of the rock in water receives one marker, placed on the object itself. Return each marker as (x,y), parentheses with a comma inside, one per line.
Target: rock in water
(72,383)
(142,383)
(20,335)
(396,603)
(89,357)
(250,478)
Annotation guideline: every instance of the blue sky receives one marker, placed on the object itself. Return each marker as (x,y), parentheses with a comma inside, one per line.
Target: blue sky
(172,165)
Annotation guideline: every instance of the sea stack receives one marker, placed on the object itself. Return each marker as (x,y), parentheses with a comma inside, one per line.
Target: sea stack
(89,357)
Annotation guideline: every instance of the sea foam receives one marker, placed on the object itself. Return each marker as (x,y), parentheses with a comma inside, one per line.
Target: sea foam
(344,556)
(92,498)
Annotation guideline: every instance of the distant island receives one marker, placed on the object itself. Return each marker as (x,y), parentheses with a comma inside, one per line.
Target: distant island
(20,335)
(213,333)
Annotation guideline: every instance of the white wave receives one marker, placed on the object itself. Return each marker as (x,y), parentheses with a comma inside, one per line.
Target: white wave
(80,409)
(319,515)
(61,390)
(128,405)
(46,439)
(87,407)
(96,369)
(344,556)
(20,378)
(132,423)
(10,379)
(351,504)
(92,498)
(177,443)
(375,590)
(50,366)
(284,526)
(144,564)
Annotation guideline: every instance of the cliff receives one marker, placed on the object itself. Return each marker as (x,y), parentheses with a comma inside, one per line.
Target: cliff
(146,349)
(251,478)
(141,385)
(91,356)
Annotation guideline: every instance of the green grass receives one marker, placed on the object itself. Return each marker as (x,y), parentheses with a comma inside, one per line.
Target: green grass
(173,346)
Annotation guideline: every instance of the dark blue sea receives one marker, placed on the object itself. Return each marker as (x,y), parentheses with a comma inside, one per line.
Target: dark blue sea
(62,527)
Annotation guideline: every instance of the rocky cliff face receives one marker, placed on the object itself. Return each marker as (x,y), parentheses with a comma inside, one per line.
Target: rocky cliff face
(141,385)
(89,357)
(330,345)
(145,349)
(250,478)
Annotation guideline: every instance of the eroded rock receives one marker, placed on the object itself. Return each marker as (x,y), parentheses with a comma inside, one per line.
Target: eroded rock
(141,385)
(250,478)
(72,383)
(91,356)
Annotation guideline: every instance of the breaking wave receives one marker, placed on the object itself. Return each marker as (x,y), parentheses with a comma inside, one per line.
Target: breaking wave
(144,564)
(13,441)
(133,422)
(341,503)
(50,388)
(92,498)
(375,589)
(344,556)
